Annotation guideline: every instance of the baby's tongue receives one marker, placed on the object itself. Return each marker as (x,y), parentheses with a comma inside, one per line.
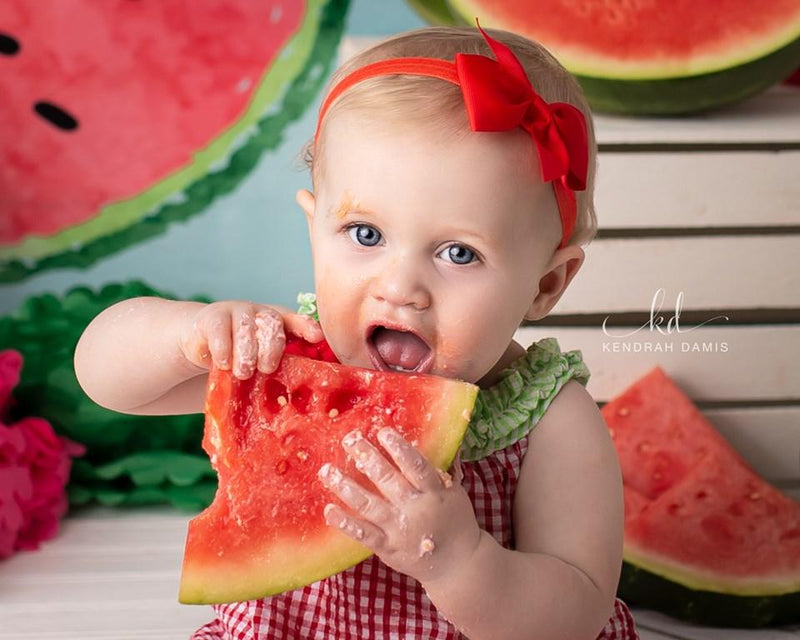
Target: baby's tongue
(399,348)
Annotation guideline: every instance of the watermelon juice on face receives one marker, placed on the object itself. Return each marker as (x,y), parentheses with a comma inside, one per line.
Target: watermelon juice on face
(450,195)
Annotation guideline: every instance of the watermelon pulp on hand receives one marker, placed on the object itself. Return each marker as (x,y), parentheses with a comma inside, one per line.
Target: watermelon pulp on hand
(268,436)
(706,539)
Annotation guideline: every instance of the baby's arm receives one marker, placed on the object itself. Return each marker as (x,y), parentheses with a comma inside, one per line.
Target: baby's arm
(151,356)
(568,520)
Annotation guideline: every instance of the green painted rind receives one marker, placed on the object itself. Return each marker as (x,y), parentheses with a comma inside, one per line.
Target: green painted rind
(433,11)
(192,189)
(693,94)
(639,587)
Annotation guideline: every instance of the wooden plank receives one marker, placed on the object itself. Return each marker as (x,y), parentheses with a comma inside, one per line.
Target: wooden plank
(767,437)
(694,190)
(110,574)
(712,272)
(760,363)
(770,117)
(673,628)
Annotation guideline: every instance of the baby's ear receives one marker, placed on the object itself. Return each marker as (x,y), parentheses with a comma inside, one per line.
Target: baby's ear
(563,267)
(307,202)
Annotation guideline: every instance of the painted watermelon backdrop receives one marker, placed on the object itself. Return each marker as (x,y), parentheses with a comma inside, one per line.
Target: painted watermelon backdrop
(121,117)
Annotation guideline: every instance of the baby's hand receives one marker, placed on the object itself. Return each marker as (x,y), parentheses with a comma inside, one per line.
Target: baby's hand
(422,524)
(243,336)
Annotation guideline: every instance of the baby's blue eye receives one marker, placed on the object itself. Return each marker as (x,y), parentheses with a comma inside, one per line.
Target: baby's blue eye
(364,235)
(458,254)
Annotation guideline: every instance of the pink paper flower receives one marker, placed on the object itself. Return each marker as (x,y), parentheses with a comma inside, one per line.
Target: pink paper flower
(34,469)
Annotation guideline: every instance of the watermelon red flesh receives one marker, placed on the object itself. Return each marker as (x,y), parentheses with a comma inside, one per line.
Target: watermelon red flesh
(268,436)
(647,38)
(695,512)
(148,83)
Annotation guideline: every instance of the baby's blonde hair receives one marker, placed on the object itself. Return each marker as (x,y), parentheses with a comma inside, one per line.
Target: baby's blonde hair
(436,105)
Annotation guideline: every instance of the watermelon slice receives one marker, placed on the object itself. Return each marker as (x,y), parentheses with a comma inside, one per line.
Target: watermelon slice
(267,437)
(654,56)
(706,539)
(120,116)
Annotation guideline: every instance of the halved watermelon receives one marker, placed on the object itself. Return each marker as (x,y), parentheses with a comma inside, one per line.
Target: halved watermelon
(654,56)
(267,437)
(706,539)
(120,116)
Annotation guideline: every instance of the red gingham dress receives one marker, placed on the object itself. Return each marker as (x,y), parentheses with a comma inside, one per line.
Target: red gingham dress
(371,600)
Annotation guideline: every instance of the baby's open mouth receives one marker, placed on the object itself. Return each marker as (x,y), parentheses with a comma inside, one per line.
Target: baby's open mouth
(398,350)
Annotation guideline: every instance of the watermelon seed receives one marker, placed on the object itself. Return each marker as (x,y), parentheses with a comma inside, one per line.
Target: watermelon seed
(282,467)
(282,401)
(55,115)
(333,413)
(302,455)
(8,45)
(624,411)
(755,495)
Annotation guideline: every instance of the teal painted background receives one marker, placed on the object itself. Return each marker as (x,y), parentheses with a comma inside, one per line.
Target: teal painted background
(251,244)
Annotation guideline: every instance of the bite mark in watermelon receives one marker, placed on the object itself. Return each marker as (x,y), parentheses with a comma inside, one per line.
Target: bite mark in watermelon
(121,116)
(706,539)
(268,436)
(655,56)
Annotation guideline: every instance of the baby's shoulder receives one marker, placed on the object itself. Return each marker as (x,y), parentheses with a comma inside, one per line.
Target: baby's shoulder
(509,410)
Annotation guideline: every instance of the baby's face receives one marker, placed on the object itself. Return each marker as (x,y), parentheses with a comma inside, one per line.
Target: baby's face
(427,255)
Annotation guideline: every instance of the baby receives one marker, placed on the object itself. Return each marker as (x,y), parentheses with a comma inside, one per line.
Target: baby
(452,175)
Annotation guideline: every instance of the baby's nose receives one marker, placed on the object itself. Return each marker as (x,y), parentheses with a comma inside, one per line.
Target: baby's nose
(402,283)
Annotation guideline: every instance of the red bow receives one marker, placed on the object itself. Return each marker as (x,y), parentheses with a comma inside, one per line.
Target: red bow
(499,97)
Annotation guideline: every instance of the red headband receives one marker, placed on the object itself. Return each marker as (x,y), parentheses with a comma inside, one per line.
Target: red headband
(499,97)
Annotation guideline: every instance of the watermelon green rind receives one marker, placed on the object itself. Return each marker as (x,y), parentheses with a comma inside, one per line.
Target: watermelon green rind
(221,563)
(685,85)
(694,93)
(433,11)
(706,539)
(694,579)
(643,588)
(306,58)
(586,62)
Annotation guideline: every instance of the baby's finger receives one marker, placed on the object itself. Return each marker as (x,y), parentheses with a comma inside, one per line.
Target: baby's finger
(458,472)
(245,346)
(378,469)
(364,503)
(304,326)
(219,340)
(415,467)
(271,340)
(360,530)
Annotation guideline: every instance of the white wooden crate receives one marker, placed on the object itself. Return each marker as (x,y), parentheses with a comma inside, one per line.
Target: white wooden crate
(707,206)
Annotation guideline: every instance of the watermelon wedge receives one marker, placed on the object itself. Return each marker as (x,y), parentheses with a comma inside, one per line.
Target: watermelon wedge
(653,56)
(267,437)
(120,117)
(706,539)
